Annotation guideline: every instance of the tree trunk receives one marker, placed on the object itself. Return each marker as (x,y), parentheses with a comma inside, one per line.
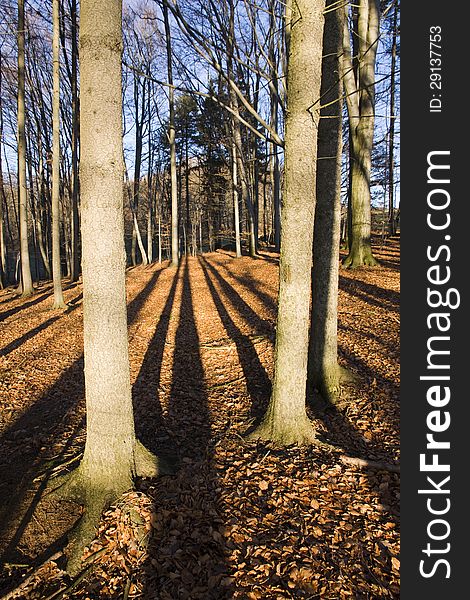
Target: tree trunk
(112,456)
(3,203)
(58,300)
(75,221)
(286,419)
(26,279)
(391,132)
(274,158)
(236,212)
(171,140)
(324,371)
(359,82)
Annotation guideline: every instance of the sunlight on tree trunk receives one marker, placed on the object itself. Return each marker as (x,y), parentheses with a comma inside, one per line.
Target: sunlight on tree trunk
(324,372)
(112,456)
(58,300)
(26,285)
(171,140)
(286,419)
(359,83)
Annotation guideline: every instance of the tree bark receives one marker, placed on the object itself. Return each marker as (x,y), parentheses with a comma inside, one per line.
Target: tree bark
(58,300)
(324,371)
(75,221)
(359,82)
(391,132)
(171,140)
(112,455)
(26,279)
(236,210)
(286,419)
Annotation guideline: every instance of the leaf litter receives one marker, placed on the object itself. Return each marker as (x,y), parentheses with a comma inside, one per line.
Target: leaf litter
(238,519)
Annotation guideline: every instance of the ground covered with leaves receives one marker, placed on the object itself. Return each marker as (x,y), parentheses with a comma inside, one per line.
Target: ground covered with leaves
(238,519)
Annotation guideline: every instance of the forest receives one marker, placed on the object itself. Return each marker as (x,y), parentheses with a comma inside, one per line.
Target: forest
(199,299)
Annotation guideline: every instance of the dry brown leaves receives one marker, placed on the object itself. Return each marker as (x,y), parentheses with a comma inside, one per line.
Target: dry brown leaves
(239,519)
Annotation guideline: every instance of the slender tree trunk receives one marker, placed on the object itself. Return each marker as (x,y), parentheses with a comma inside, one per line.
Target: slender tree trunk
(324,371)
(58,300)
(26,279)
(286,419)
(159,239)
(236,212)
(359,82)
(274,159)
(150,200)
(112,456)
(75,221)
(171,139)
(391,133)
(3,203)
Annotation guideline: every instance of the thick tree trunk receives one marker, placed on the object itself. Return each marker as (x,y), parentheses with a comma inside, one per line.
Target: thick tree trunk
(58,300)
(112,456)
(26,279)
(286,419)
(324,371)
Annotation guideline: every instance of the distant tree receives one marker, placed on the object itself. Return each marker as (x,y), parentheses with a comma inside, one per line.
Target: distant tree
(286,419)
(171,140)
(26,285)
(58,300)
(358,69)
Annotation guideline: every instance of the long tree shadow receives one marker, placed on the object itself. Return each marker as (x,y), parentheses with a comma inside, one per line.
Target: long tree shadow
(340,430)
(35,300)
(8,313)
(391,347)
(372,294)
(41,327)
(187,554)
(38,437)
(262,326)
(149,422)
(252,287)
(257,381)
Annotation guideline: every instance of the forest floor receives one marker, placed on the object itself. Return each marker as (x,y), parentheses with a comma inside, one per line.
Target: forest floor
(239,519)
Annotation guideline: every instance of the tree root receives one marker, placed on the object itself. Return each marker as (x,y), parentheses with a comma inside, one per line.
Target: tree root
(79,486)
(299,432)
(330,388)
(356,260)
(148,465)
(369,464)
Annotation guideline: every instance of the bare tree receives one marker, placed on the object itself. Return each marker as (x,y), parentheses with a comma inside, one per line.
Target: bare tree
(26,279)
(358,68)
(324,372)
(286,419)
(58,301)
(112,456)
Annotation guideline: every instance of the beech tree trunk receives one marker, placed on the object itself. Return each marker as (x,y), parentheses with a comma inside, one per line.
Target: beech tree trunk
(58,300)
(286,419)
(324,371)
(171,140)
(75,221)
(391,132)
(359,82)
(236,211)
(26,279)
(112,456)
